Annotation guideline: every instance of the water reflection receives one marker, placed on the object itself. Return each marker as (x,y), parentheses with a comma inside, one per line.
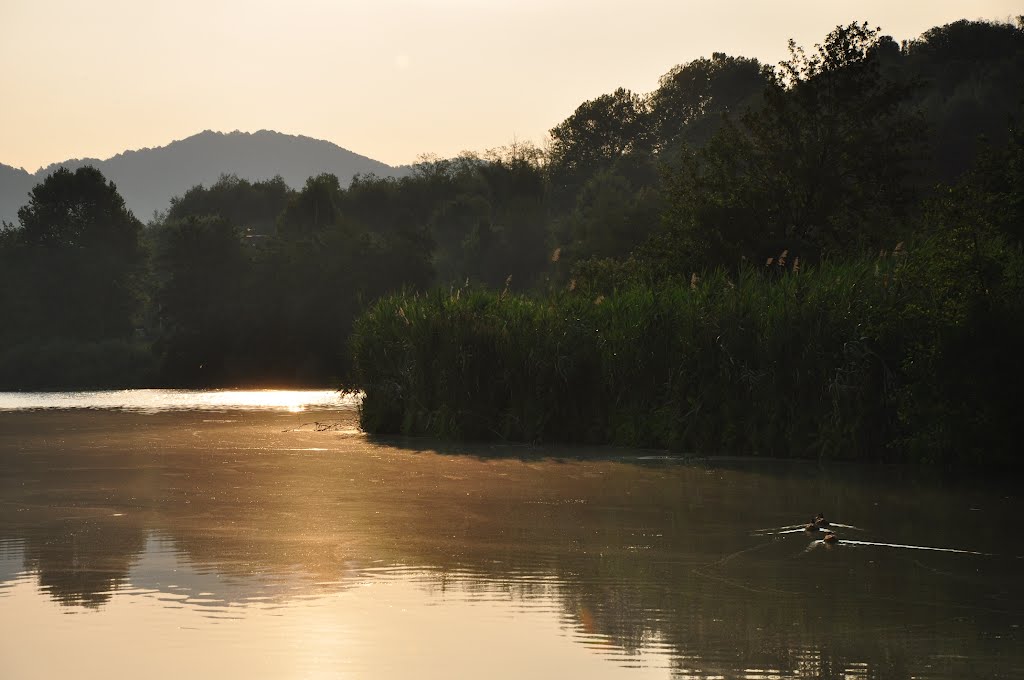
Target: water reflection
(157,401)
(365,556)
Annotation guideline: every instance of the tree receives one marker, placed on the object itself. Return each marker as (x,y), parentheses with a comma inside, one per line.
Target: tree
(692,98)
(200,269)
(251,206)
(613,213)
(79,258)
(316,206)
(972,73)
(822,166)
(79,209)
(839,142)
(597,134)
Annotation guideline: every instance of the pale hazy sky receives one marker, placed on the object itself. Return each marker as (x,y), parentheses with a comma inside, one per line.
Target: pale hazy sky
(389,79)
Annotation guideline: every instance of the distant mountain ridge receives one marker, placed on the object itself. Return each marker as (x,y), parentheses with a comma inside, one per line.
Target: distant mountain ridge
(148,178)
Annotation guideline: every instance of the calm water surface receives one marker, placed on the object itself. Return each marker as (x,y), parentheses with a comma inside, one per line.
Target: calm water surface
(241,534)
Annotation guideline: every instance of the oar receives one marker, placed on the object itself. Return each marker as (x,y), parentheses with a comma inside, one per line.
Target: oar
(913,547)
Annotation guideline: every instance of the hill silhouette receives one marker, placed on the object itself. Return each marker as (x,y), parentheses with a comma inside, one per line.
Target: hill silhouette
(148,178)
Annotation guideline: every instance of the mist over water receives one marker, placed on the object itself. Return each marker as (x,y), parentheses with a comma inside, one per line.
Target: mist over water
(225,540)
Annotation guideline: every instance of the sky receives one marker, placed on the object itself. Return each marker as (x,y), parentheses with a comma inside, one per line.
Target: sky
(389,79)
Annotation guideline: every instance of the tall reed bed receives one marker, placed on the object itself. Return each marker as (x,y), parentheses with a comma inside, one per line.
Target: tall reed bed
(771,362)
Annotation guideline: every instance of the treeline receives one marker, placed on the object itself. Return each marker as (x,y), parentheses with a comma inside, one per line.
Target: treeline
(244,282)
(837,152)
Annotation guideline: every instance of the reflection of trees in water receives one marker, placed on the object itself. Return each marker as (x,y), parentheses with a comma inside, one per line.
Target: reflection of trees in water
(637,556)
(62,514)
(83,562)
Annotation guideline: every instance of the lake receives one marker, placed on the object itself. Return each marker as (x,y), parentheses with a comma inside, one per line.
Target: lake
(260,534)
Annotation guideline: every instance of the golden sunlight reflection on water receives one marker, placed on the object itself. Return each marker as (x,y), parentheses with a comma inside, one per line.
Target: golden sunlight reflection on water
(156,401)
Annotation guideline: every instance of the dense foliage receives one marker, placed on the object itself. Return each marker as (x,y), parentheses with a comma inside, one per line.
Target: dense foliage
(905,356)
(663,207)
